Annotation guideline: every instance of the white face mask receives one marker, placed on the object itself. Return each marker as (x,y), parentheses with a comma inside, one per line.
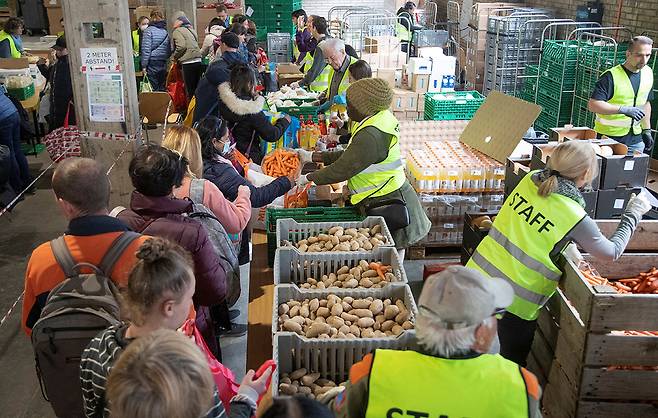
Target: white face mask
(143,27)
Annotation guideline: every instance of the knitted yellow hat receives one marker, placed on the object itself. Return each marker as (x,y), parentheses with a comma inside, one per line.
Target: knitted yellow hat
(370,95)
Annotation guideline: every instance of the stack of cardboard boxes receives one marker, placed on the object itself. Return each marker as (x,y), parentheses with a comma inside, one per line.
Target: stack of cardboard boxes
(476,40)
(409,101)
(620,175)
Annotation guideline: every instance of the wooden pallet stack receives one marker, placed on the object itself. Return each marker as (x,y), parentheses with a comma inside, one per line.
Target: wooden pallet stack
(587,366)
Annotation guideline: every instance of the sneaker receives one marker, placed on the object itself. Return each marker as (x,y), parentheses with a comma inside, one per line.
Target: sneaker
(237,330)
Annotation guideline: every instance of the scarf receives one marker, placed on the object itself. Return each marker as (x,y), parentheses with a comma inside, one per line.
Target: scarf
(565,187)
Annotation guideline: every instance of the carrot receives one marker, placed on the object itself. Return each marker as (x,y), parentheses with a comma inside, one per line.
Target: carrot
(280,163)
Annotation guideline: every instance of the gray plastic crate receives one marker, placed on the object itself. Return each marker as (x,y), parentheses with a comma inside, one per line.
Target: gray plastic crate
(331,358)
(285,292)
(293,231)
(292,267)
(278,42)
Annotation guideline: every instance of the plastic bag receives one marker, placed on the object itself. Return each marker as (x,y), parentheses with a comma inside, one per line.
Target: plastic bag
(256,177)
(145,85)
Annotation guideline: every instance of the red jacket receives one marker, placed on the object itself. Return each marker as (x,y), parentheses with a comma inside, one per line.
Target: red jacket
(164,217)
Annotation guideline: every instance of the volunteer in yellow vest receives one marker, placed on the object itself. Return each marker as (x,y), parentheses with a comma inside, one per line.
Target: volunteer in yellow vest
(406,24)
(538,222)
(339,62)
(372,164)
(622,99)
(316,77)
(11,42)
(450,374)
(142,24)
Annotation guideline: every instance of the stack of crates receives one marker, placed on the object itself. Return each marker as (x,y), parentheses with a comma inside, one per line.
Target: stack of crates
(458,105)
(555,86)
(531,76)
(273,16)
(279,47)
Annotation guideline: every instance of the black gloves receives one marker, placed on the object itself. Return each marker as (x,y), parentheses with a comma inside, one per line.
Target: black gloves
(635,113)
(647,138)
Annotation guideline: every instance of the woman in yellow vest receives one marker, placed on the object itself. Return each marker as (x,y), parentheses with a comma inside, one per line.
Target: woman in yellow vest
(142,24)
(538,222)
(372,164)
(11,41)
(449,373)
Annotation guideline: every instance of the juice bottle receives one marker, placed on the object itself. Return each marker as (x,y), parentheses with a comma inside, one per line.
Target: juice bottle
(323,124)
(303,137)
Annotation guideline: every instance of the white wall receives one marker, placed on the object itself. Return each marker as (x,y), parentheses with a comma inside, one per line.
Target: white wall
(321,7)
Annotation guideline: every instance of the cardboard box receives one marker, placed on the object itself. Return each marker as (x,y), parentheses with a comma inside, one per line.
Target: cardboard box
(381,44)
(570,132)
(52,3)
(287,68)
(476,39)
(611,203)
(387,74)
(54,16)
(624,170)
(411,115)
(400,115)
(420,105)
(420,83)
(480,12)
(404,100)
(541,154)
(419,65)
(591,197)
(515,170)
(146,11)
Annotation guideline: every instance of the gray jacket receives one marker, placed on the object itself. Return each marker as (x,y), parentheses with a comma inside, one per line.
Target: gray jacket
(186,44)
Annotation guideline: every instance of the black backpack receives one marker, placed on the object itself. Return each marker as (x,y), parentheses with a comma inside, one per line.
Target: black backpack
(75,312)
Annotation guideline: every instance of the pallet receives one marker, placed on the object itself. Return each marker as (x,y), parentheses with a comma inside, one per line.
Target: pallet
(432,251)
(574,351)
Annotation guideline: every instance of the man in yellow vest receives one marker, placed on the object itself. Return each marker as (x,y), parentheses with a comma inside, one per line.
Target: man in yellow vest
(622,99)
(338,62)
(450,374)
(317,75)
(303,44)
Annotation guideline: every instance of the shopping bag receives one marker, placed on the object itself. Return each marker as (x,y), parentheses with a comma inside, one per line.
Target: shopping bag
(176,88)
(189,118)
(224,377)
(145,85)
(63,142)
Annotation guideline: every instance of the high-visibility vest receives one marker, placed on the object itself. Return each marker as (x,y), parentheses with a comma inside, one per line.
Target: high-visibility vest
(135,35)
(15,53)
(484,386)
(344,82)
(624,95)
(295,50)
(321,82)
(403,33)
(518,249)
(306,63)
(387,176)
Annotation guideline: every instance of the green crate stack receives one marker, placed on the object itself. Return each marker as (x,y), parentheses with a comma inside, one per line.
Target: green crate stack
(311,214)
(273,15)
(458,105)
(527,93)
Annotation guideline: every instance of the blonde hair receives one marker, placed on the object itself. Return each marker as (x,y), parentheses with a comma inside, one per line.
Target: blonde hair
(163,374)
(571,160)
(186,141)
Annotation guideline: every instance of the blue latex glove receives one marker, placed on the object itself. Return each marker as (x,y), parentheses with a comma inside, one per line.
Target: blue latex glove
(340,99)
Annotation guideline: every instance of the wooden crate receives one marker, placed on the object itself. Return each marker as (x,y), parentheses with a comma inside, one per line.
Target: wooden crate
(575,352)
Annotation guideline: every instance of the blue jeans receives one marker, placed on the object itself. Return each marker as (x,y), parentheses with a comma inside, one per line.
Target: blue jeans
(639,147)
(10,135)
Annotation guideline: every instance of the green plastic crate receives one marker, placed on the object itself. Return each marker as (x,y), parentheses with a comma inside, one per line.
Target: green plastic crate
(298,111)
(22,93)
(137,61)
(458,105)
(306,215)
(261,33)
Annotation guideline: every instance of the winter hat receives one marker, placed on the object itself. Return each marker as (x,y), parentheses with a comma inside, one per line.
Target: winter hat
(230,39)
(370,95)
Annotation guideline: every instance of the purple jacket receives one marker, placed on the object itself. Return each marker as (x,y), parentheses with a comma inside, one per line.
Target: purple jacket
(305,43)
(163,217)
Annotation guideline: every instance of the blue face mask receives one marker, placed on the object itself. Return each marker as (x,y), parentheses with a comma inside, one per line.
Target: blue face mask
(227,148)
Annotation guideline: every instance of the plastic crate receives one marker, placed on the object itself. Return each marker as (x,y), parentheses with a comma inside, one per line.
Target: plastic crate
(331,358)
(298,111)
(558,50)
(291,267)
(452,106)
(278,42)
(22,93)
(312,214)
(285,292)
(293,231)
(261,33)
(137,62)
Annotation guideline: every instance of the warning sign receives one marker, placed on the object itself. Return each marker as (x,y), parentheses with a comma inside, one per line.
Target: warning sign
(99,60)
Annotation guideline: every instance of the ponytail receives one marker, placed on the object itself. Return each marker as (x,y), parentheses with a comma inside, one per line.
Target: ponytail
(548,186)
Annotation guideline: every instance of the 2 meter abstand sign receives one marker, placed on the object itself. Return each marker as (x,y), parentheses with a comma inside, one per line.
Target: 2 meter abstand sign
(99,60)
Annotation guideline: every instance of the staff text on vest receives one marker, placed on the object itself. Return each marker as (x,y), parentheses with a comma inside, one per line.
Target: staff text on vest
(526,211)
(399,413)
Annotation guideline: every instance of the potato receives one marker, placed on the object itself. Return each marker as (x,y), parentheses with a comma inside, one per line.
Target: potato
(402,317)
(323,312)
(407,325)
(344,329)
(337,309)
(336,321)
(329,246)
(349,317)
(343,270)
(380,319)
(352,231)
(325,383)
(375,229)
(355,246)
(312,240)
(335,240)
(342,247)
(388,325)
(294,311)
(391,311)
(321,285)
(367,333)
(304,311)
(362,313)
(287,389)
(376,307)
(302,242)
(369,273)
(397,330)
(351,284)
(309,379)
(333,230)
(283,309)
(305,390)
(285,379)
(390,277)
(348,299)
(324,237)
(361,304)
(367,245)
(297,374)
(316,329)
(299,319)
(292,326)
(346,306)
(365,322)
(303,248)
(314,305)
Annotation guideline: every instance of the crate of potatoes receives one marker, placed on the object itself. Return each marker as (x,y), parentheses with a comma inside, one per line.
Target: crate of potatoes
(365,313)
(341,272)
(313,367)
(361,236)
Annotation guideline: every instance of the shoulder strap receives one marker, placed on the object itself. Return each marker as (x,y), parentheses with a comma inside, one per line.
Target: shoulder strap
(63,256)
(115,251)
(196,190)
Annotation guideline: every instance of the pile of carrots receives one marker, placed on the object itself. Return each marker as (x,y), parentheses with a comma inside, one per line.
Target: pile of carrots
(646,283)
(280,163)
(380,268)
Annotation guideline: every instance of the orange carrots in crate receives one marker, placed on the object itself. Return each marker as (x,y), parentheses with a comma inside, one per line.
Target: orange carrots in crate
(280,162)
(645,283)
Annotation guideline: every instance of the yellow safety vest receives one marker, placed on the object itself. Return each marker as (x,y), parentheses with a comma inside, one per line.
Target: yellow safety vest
(135,34)
(387,176)
(15,53)
(321,82)
(518,248)
(344,82)
(624,95)
(486,386)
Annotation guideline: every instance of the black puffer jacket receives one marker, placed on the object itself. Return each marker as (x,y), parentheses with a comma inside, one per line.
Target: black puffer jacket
(248,123)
